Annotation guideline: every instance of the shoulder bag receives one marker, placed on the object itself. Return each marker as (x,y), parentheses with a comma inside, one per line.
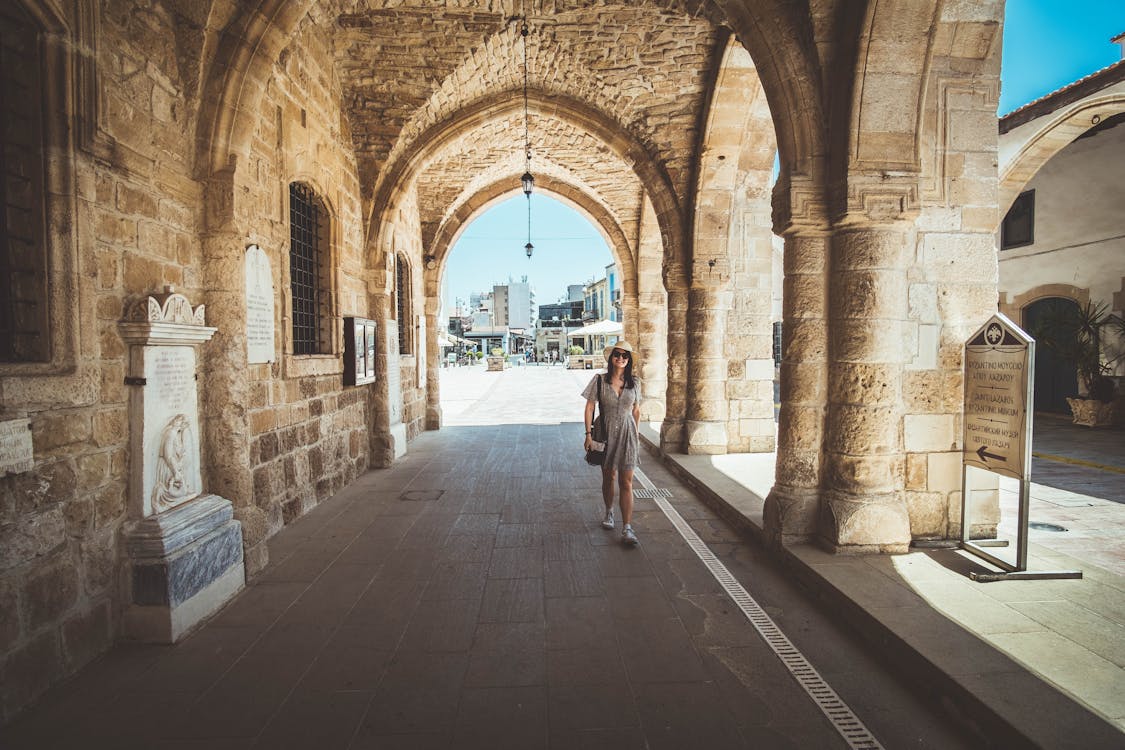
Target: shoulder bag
(596,455)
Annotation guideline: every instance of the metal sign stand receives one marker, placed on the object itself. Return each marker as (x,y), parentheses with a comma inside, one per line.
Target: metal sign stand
(997,435)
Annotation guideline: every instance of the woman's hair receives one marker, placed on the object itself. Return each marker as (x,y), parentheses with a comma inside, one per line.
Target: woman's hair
(628,376)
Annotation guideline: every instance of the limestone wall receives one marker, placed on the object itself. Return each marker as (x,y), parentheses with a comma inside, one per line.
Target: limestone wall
(951,283)
(131,227)
(307,432)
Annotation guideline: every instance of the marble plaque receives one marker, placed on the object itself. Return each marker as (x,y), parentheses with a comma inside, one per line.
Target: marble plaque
(170,429)
(16,453)
(394,376)
(259,307)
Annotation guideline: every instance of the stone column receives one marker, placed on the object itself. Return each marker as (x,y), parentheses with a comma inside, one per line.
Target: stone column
(707,409)
(791,508)
(864,470)
(225,376)
(432,354)
(675,401)
(649,306)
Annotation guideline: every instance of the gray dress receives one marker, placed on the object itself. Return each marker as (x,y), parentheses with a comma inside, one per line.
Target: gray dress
(621,446)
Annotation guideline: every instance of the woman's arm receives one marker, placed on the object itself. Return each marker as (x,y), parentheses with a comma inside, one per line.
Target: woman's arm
(588,419)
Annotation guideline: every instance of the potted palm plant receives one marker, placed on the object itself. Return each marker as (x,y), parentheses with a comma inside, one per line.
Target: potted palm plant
(1090,337)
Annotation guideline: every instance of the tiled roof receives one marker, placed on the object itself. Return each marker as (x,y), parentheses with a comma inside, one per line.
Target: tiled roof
(1068,94)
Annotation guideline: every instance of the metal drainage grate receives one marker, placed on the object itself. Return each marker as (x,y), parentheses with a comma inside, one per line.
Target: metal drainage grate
(421,495)
(854,732)
(1040,526)
(651,494)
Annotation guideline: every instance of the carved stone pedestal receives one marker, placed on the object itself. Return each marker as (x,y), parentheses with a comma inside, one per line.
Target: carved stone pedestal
(183,565)
(183,548)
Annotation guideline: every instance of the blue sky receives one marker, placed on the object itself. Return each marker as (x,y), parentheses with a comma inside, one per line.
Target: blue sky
(1047,44)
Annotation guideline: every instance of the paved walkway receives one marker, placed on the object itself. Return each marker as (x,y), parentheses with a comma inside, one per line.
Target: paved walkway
(1068,634)
(467,598)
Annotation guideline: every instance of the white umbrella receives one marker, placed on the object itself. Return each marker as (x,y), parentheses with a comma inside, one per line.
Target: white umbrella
(601,328)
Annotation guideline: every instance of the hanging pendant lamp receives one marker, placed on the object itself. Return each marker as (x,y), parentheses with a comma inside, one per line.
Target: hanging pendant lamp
(527,180)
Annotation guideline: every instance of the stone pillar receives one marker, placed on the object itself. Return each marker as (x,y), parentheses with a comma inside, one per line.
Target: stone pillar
(225,375)
(707,409)
(675,401)
(791,508)
(184,550)
(432,353)
(649,306)
(382,443)
(864,470)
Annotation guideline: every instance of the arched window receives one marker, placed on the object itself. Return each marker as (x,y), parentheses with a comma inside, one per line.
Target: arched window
(24,307)
(402,303)
(309,272)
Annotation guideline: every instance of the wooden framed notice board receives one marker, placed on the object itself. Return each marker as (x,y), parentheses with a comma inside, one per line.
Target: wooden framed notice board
(359,351)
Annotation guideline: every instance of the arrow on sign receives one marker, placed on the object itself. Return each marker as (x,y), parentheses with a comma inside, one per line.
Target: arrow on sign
(985,455)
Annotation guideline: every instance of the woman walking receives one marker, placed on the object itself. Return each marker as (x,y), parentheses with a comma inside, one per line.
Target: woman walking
(618,396)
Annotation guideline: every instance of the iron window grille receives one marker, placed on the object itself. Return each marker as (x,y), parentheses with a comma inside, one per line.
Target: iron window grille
(24,334)
(402,302)
(307,271)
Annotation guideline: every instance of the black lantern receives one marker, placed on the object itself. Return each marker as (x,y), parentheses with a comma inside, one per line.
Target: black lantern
(527,180)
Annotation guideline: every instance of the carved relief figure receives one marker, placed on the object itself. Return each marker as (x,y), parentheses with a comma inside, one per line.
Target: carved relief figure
(172,484)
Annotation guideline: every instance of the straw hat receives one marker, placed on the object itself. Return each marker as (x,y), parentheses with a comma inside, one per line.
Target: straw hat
(624,346)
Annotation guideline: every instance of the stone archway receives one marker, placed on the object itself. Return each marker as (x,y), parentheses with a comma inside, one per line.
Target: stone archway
(730,406)
(1026,154)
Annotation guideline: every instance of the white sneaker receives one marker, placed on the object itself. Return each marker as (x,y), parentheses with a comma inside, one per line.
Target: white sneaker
(607,522)
(628,536)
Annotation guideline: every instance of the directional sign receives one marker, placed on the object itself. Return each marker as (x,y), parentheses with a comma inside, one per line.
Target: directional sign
(997,436)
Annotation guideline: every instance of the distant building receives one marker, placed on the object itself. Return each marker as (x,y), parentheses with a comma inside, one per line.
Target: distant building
(1062,241)
(555,322)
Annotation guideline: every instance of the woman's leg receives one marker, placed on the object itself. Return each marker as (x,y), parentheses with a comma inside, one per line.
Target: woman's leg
(625,485)
(607,487)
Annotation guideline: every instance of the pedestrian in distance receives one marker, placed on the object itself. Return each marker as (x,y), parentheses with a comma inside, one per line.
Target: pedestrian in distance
(617,393)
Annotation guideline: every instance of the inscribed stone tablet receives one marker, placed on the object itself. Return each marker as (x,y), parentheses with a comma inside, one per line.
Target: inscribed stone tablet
(171,428)
(259,307)
(394,377)
(16,453)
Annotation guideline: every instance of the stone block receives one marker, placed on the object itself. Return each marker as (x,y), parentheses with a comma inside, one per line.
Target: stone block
(79,517)
(263,420)
(871,341)
(929,432)
(866,384)
(109,427)
(28,672)
(86,635)
(32,536)
(93,470)
(864,474)
(9,615)
(50,591)
(943,471)
(928,513)
(926,349)
(116,231)
(916,465)
(109,505)
(51,433)
(99,562)
(143,275)
(862,430)
(135,201)
(922,301)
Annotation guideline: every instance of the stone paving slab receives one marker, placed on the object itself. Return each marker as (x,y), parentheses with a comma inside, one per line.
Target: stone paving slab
(1005,649)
